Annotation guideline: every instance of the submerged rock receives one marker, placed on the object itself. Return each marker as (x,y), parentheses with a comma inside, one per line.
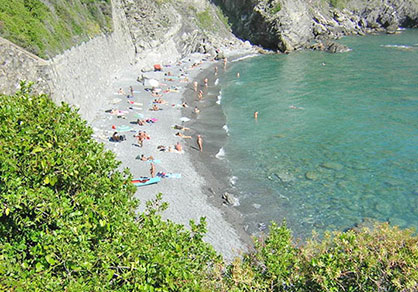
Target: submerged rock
(330,47)
(311,175)
(229,199)
(332,165)
(285,177)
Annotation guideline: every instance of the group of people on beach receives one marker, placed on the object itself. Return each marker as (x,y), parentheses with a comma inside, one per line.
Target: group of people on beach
(157,100)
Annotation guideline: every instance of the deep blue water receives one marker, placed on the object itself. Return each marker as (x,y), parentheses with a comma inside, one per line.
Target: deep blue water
(336,139)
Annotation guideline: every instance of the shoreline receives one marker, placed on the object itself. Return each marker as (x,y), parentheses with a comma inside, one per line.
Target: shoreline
(191,195)
(214,170)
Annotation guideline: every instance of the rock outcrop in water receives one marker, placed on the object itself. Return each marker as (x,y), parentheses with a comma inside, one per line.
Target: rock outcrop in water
(287,25)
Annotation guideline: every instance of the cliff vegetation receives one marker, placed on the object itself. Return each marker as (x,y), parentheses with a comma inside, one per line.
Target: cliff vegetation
(68,223)
(48,27)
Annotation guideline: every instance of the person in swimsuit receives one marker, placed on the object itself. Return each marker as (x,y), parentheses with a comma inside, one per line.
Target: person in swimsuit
(199,143)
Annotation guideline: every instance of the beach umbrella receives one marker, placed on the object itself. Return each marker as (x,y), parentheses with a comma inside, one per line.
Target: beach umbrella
(153,82)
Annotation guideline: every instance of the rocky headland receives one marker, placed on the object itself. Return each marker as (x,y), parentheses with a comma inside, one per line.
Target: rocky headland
(288,25)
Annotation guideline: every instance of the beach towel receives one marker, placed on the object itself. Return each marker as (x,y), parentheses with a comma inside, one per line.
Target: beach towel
(156,161)
(152,120)
(123,128)
(135,103)
(139,116)
(143,181)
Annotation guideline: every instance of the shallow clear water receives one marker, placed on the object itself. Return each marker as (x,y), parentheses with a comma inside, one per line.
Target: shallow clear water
(336,140)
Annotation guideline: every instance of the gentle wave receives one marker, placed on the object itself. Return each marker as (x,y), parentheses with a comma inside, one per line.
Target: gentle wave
(225,127)
(233,180)
(220,154)
(398,46)
(219,99)
(245,57)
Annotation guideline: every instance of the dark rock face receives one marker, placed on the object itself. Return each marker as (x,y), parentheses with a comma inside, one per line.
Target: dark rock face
(287,25)
(329,46)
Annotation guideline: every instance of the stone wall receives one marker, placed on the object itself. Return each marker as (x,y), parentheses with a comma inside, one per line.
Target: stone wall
(83,75)
(18,64)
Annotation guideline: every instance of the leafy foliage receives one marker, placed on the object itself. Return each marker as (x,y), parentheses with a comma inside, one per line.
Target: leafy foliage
(46,28)
(67,216)
(380,259)
(205,20)
(276,8)
(338,3)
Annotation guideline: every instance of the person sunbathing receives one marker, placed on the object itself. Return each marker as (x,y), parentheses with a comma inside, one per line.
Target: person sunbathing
(177,127)
(116,137)
(155,108)
(183,136)
(178,147)
(140,122)
(159,100)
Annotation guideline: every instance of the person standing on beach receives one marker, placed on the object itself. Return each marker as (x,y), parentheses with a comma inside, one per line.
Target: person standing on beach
(206,82)
(200,96)
(132,91)
(225,61)
(216,70)
(195,86)
(200,143)
(152,170)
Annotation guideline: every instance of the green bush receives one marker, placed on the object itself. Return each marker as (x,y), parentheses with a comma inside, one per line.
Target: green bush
(204,19)
(338,3)
(67,215)
(276,8)
(380,259)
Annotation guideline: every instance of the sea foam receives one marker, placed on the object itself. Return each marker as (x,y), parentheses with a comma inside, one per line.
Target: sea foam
(220,154)
(245,57)
(225,127)
(233,180)
(219,99)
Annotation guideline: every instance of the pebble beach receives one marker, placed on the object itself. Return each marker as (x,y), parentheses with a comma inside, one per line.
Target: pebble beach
(187,184)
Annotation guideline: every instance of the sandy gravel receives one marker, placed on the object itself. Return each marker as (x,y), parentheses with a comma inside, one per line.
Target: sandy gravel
(186,196)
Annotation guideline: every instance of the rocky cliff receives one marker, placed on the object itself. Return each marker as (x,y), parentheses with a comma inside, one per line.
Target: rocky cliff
(287,25)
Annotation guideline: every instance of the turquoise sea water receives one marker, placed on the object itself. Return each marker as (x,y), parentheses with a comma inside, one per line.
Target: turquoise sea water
(336,140)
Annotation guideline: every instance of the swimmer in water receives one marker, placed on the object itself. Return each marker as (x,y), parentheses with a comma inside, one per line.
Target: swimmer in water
(255,115)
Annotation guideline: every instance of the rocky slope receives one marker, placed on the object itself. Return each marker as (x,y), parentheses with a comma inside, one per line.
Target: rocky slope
(187,26)
(287,25)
